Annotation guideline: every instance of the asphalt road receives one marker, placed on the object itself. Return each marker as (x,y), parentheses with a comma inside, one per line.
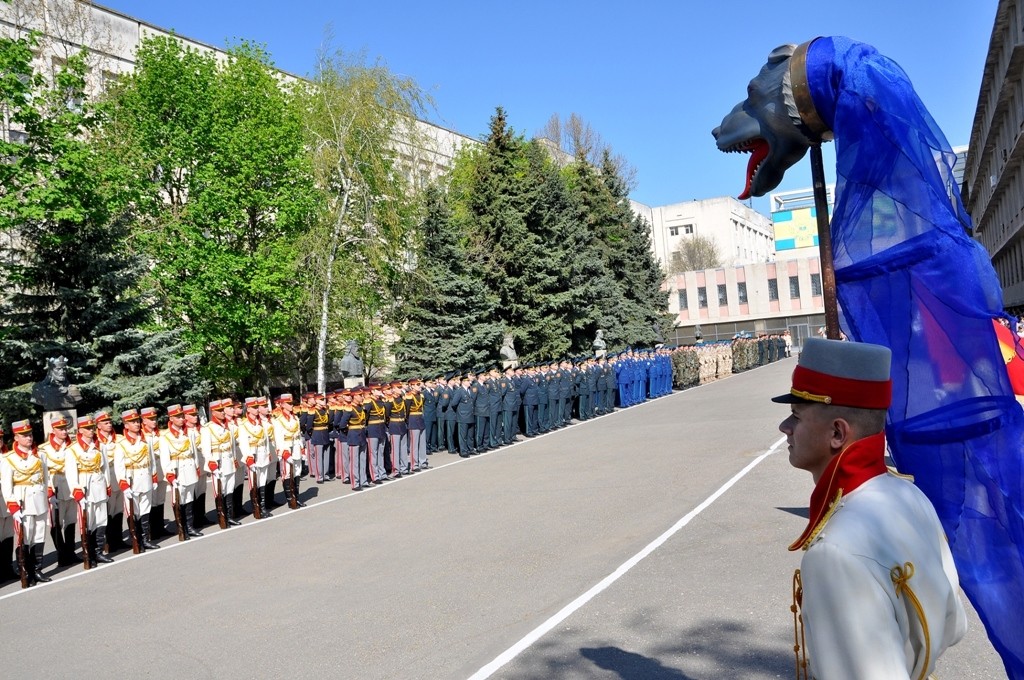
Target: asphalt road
(650,543)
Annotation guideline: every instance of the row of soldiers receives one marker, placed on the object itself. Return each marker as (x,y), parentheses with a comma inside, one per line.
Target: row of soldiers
(87,479)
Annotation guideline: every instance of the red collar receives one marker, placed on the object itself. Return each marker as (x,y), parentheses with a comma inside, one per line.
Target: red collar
(856,464)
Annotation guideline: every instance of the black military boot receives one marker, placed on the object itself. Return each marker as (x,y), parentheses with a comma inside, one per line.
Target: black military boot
(146,539)
(115,533)
(199,511)
(7,571)
(272,494)
(190,521)
(69,545)
(157,523)
(37,565)
(238,506)
(229,510)
(30,571)
(295,492)
(96,540)
(264,510)
(58,542)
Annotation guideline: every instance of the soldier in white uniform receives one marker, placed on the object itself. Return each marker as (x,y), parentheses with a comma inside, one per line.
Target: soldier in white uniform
(192,430)
(90,481)
(7,573)
(106,438)
(135,471)
(218,449)
(53,453)
(272,468)
(254,451)
(178,461)
(877,588)
(289,445)
(151,433)
(24,484)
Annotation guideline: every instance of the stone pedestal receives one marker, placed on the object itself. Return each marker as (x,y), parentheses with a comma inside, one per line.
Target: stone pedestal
(354,382)
(69,413)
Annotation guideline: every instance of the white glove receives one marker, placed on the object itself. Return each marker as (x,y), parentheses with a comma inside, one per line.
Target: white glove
(17,516)
(53,502)
(156,485)
(128,493)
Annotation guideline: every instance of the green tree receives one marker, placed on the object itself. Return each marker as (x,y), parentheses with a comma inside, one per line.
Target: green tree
(227,192)
(450,317)
(68,268)
(358,120)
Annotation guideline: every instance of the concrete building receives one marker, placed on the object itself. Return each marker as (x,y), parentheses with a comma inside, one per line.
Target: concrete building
(112,38)
(993,184)
(764,297)
(742,234)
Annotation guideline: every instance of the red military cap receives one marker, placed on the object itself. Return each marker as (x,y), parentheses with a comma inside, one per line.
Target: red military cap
(148,412)
(59,422)
(86,422)
(130,414)
(188,409)
(175,410)
(21,427)
(101,416)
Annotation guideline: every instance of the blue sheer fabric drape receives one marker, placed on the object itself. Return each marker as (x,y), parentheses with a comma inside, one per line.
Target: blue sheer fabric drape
(910,277)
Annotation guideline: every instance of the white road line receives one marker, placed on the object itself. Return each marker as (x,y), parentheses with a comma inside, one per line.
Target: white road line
(538,632)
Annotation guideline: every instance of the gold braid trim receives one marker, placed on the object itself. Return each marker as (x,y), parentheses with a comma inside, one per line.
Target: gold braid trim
(824,519)
(900,577)
(799,641)
(820,398)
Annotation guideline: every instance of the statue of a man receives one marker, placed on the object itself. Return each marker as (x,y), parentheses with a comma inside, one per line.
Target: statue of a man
(351,364)
(55,392)
(599,345)
(508,352)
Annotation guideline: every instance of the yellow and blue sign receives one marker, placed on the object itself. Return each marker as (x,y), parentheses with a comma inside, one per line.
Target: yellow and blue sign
(795,228)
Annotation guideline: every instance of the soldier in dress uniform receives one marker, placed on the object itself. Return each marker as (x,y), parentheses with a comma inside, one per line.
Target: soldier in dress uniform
(270,488)
(106,438)
(414,407)
(254,452)
(53,453)
(877,588)
(219,453)
(543,398)
(304,413)
(353,423)
(319,442)
(398,430)
(448,424)
(6,527)
(90,480)
(464,404)
(24,484)
(151,433)
(429,392)
(375,432)
(335,466)
(531,399)
(288,442)
(510,402)
(191,414)
(495,392)
(482,409)
(180,467)
(232,416)
(135,471)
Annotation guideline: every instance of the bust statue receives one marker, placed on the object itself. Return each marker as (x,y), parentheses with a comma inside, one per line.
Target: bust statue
(351,364)
(599,345)
(509,358)
(55,392)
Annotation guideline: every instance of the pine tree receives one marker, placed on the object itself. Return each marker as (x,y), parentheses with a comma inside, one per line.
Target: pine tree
(450,318)
(68,267)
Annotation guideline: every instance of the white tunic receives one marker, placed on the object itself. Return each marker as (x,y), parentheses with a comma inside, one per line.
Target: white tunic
(857,626)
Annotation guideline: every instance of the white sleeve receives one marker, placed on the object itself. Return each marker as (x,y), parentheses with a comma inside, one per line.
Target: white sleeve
(849,620)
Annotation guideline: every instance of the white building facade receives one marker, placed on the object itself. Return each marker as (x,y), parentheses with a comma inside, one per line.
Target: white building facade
(741,234)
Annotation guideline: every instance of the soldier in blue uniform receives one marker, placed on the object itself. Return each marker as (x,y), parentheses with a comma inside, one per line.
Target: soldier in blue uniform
(430,415)
(464,405)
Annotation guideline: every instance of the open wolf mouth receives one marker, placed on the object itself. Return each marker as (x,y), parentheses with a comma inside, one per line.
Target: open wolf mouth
(758,149)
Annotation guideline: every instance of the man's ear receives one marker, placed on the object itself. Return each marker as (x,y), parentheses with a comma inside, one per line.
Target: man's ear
(841,434)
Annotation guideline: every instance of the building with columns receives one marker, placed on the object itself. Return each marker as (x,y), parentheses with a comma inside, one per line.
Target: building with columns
(993,180)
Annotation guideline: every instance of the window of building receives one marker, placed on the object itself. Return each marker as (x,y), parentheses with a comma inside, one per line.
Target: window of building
(673,231)
(773,289)
(816,285)
(741,292)
(702,297)
(794,287)
(723,296)
(688,229)
(682,300)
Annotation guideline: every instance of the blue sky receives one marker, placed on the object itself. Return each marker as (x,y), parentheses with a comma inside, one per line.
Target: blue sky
(653,78)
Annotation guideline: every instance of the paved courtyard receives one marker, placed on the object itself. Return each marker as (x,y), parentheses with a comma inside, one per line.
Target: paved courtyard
(650,543)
